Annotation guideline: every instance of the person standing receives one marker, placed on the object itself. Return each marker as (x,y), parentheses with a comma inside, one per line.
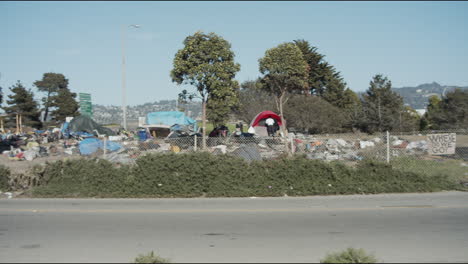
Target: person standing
(270,125)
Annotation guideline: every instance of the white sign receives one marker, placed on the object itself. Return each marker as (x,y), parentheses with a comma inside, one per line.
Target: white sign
(441,144)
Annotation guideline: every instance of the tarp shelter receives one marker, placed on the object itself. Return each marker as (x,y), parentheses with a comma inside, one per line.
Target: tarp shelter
(86,124)
(258,123)
(90,145)
(166,120)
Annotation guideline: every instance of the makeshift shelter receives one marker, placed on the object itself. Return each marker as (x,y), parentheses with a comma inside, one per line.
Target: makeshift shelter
(86,124)
(258,122)
(160,124)
(90,145)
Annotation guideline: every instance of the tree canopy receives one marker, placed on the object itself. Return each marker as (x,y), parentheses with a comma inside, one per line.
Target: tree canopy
(381,106)
(21,101)
(253,100)
(50,84)
(312,114)
(450,112)
(65,104)
(207,62)
(323,79)
(284,72)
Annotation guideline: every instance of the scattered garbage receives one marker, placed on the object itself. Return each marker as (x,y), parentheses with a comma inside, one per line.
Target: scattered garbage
(222,148)
(247,152)
(365,144)
(421,144)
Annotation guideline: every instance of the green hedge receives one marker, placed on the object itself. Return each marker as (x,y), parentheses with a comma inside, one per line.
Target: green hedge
(203,174)
(4,178)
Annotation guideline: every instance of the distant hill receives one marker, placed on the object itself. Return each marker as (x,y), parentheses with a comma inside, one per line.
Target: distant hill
(417,97)
(113,114)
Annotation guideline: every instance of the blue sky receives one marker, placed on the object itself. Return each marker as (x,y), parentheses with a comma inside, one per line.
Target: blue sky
(410,42)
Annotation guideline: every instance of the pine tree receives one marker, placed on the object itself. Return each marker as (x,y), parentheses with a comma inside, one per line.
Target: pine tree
(324,80)
(65,104)
(381,106)
(50,85)
(21,101)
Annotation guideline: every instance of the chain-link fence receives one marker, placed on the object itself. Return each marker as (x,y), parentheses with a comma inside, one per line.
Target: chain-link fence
(435,145)
(431,152)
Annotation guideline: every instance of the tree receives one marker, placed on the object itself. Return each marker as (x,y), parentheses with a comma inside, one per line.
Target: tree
(50,85)
(353,111)
(65,104)
(432,108)
(381,106)
(312,114)
(451,112)
(207,62)
(409,119)
(220,104)
(284,72)
(1,95)
(253,100)
(21,101)
(324,80)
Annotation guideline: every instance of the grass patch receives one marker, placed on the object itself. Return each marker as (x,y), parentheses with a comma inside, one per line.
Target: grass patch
(350,255)
(453,169)
(150,258)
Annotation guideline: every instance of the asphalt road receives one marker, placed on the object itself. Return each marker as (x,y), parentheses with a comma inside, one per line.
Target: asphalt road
(395,227)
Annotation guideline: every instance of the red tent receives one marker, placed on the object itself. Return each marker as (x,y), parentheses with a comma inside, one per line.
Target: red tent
(259,119)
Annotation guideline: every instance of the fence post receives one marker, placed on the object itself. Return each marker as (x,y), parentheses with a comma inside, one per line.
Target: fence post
(292,145)
(195,143)
(388,147)
(105,146)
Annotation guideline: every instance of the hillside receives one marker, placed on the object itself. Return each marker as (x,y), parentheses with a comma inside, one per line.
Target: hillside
(417,97)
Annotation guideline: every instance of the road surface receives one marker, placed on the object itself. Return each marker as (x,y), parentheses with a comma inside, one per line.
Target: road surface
(395,227)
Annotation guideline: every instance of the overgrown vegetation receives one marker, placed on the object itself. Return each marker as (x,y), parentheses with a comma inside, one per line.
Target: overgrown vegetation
(350,255)
(150,258)
(203,174)
(4,178)
(452,168)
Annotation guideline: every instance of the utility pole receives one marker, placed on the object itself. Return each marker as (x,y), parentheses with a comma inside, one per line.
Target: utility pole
(124,96)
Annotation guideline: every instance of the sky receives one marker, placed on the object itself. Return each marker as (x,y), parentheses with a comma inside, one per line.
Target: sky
(409,42)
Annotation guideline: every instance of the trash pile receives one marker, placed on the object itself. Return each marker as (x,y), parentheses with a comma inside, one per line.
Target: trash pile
(356,149)
(83,137)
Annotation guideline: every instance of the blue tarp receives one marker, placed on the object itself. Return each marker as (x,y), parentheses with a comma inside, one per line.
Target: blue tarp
(170,118)
(90,145)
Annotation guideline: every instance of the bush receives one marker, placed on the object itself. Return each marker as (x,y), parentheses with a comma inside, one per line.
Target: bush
(350,255)
(82,178)
(4,178)
(203,174)
(150,258)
